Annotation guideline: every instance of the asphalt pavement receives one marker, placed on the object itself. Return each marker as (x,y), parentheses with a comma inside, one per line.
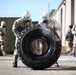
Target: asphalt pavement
(67,67)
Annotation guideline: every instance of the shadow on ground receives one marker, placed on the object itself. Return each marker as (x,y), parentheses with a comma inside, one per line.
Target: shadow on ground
(62,68)
(53,68)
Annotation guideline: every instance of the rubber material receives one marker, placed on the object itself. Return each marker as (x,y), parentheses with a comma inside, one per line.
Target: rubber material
(39,61)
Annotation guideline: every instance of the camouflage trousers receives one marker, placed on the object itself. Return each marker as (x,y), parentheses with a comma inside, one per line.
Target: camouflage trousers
(15,57)
(3,47)
(70,44)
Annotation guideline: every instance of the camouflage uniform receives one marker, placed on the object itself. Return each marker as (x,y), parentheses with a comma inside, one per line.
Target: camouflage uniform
(3,36)
(54,25)
(18,26)
(51,23)
(74,32)
(69,38)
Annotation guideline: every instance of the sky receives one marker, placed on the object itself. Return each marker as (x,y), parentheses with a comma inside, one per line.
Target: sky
(15,8)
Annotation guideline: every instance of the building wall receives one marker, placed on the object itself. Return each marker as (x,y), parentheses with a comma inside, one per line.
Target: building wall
(75,12)
(68,18)
(65,15)
(59,15)
(68,14)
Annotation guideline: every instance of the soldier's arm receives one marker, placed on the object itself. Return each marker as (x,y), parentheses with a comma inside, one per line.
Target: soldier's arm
(74,30)
(28,23)
(56,25)
(1,32)
(14,28)
(74,27)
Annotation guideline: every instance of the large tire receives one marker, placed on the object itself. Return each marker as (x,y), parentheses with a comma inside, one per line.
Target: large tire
(39,61)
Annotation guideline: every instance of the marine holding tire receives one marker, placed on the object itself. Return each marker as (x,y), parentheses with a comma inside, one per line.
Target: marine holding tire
(39,46)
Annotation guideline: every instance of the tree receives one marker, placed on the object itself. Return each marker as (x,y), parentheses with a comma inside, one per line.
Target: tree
(52,11)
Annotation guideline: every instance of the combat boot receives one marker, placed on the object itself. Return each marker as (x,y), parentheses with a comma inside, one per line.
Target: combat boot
(15,64)
(15,61)
(57,64)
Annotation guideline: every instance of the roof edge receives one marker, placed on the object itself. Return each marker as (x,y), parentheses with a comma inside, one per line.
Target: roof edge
(57,8)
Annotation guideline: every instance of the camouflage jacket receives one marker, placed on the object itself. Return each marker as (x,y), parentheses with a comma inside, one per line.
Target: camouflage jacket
(69,36)
(19,25)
